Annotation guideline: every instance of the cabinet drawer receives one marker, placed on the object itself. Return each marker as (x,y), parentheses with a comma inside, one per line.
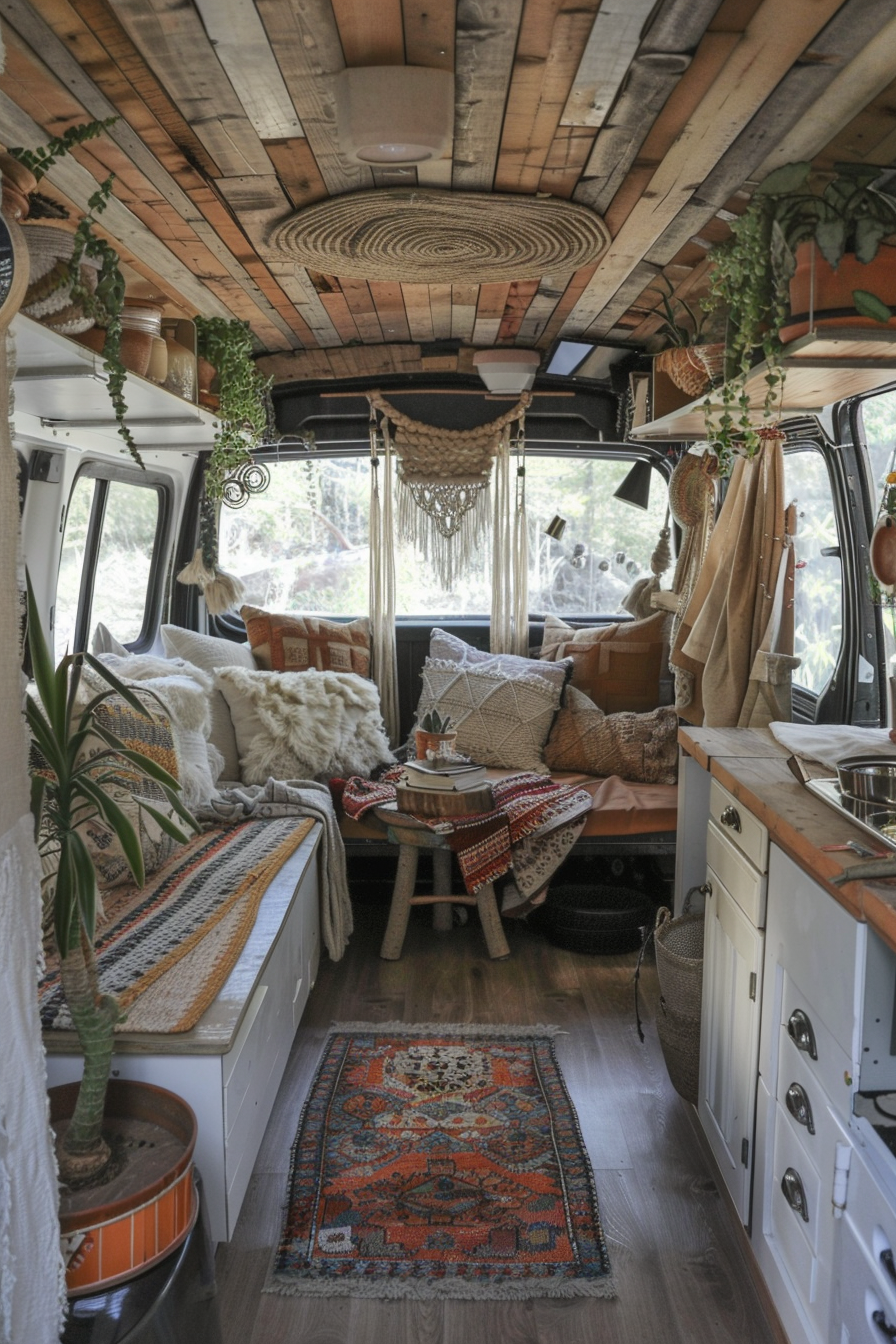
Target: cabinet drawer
(860,1291)
(790,1155)
(873,1219)
(831,1066)
(741,827)
(746,884)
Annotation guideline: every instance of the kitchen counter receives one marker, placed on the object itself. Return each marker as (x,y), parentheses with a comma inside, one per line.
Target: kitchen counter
(752,766)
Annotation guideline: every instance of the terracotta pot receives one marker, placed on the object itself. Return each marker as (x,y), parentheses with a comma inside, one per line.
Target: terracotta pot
(48,297)
(882,551)
(115,1230)
(432,742)
(833,303)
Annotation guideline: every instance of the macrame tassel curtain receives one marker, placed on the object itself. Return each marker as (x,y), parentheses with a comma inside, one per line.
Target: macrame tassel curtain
(443,485)
(384,665)
(509,620)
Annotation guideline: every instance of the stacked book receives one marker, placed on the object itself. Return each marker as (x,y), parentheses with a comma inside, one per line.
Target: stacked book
(452,778)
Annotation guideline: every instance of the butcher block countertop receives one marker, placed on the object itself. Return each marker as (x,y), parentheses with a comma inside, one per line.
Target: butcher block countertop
(752,766)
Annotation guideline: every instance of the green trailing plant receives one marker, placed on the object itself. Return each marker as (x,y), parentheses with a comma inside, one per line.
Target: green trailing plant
(104,305)
(847,211)
(243,408)
(68,790)
(433,722)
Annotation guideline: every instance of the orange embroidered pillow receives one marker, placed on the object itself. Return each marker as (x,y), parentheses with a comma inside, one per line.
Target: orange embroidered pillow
(284,643)
(617,666)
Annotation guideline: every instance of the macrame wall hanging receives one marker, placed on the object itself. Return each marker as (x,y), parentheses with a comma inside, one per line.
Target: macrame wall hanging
(444,477)
(222,591)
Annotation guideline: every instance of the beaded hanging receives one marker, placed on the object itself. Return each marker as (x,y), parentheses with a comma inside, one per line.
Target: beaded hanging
(444,477)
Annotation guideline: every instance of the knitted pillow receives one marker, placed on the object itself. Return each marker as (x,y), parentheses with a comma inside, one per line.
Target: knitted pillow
(451,649)
(500,720)
(284,643)
(642,748)
(617,666)
(208,654)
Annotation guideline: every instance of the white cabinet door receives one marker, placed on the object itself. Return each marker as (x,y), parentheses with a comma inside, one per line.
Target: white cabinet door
(729,1040)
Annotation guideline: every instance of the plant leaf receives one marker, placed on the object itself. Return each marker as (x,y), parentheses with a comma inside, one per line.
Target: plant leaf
(65,901)
(173,796)
(41,662)
(82,866)
(38,787)
(869,305)
(788,178)
(868,234)
(830,235)
(165,822)
(121,824)
(49,746)
(119,686)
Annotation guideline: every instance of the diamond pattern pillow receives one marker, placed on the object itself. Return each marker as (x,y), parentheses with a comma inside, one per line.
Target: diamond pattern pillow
(642,748)
(286,643)
(452,649)
(500,720)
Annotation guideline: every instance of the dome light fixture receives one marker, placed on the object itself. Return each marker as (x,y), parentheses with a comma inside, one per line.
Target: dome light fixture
(388,114)
(509,371)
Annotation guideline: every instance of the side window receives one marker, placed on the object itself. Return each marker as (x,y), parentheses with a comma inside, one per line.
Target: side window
(818,585)
(111,534)
(879,431)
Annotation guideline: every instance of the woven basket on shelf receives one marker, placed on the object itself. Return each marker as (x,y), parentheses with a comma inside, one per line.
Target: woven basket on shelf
(48,296)
(692,367)
(679,966)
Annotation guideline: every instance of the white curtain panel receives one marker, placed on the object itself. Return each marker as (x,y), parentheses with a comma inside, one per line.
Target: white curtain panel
(383,659)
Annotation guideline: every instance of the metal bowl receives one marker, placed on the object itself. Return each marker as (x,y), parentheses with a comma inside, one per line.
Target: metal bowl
(870,779)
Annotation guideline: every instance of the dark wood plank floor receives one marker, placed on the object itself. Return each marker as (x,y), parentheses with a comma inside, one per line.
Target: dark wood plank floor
(677,1259)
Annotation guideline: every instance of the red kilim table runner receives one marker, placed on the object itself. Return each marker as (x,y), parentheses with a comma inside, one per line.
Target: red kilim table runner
(440,1161)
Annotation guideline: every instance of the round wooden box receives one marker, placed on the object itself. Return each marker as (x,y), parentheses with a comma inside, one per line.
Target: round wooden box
(443,802)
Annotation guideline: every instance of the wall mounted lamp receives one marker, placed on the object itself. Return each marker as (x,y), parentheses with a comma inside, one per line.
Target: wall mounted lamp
(635,488)
(556,527)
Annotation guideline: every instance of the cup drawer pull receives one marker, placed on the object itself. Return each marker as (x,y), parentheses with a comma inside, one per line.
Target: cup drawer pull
(792,1186)
(731,817)
(799,1029)
(886,1259)
(799,1107)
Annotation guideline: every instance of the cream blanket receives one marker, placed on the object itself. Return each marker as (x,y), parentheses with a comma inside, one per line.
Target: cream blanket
(831,743)
(298,798)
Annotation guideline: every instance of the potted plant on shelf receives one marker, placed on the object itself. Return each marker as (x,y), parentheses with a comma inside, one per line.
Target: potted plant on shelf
(690,354)
(74,758)
(76,281)
(799,228)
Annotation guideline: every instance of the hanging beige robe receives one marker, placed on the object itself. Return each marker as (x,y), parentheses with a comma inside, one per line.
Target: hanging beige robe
(735,641)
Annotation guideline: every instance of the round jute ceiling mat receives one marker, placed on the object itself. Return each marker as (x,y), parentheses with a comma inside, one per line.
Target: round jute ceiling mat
(441,237)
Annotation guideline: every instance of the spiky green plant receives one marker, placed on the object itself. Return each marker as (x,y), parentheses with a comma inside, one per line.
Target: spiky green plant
(67,792)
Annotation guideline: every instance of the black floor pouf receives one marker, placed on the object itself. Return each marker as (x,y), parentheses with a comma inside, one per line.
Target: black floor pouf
(596,919)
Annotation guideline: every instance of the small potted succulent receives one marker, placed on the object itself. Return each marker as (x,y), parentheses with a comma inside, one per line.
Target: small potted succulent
(690,355)
(434,735)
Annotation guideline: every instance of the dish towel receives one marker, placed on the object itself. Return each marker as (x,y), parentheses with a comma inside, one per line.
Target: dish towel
(831,743)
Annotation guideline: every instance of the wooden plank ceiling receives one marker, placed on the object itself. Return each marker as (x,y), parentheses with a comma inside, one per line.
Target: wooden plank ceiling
(658,116)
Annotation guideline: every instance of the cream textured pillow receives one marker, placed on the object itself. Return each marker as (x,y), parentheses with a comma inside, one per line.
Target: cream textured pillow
(304,725)
(451,649)
(208,654)
(642,748)
(500,720)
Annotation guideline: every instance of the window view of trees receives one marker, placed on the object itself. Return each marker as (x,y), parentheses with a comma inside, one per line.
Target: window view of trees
(303,545)
(879,426)
(818,585)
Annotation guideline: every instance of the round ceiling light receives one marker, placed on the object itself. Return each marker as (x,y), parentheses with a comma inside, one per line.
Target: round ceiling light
(394,113)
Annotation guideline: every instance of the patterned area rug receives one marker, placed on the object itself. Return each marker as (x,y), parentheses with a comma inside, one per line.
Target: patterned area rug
(440,1161)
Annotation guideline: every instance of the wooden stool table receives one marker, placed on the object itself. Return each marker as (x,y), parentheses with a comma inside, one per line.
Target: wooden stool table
(411,835)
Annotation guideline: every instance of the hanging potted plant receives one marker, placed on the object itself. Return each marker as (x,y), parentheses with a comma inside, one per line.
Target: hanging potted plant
(75,756)
(76,281)
(799,228)
(244,415)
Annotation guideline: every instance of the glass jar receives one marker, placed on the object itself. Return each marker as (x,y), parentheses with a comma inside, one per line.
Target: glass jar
(181,375)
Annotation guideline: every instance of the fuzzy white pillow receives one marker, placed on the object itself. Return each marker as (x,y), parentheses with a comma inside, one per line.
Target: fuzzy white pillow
(304,725)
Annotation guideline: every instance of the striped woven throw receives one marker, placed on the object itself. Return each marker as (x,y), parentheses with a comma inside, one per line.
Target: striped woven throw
(168,947)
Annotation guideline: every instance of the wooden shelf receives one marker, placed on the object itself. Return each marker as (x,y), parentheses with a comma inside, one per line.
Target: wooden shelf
(827,366)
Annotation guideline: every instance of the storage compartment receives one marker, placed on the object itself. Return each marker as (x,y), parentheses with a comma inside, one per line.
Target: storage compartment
(739,825)
(744,881)
(803,1032)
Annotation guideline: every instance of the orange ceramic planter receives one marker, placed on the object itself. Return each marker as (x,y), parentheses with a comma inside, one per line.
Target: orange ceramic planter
(107,1243)
(832,299)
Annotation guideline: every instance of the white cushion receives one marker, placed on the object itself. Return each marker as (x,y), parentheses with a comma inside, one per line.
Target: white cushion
(208,653)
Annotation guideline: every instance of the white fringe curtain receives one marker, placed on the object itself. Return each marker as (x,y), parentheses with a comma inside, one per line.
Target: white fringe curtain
(509,618)
(381,598)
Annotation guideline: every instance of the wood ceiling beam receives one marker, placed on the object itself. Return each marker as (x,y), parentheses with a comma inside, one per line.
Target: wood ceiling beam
(429,33)
(309,52)
(241,45)
(486,37)
(552,36)
(772,42)
(858,26)
(615,37)
(371,34)
(172,41)
(416,305)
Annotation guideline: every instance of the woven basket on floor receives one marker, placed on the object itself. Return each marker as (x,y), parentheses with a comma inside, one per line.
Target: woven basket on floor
(679,966)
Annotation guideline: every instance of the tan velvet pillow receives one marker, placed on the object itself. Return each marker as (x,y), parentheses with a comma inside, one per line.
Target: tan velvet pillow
(286,643)
(617,666)
(642,748)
